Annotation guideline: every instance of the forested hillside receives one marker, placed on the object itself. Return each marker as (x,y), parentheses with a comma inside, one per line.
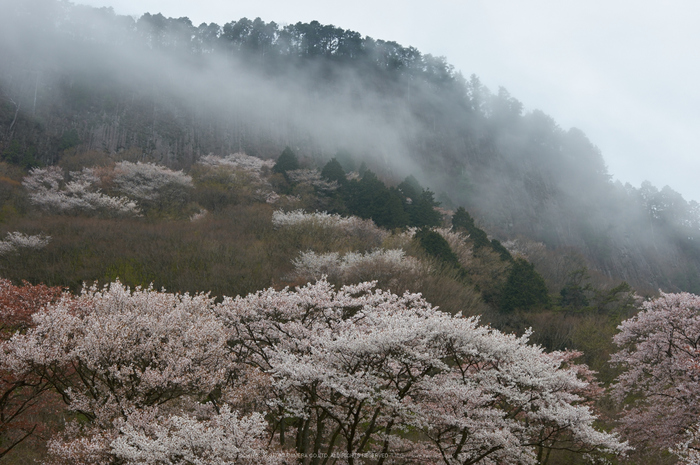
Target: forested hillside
(77,80)
(294,240)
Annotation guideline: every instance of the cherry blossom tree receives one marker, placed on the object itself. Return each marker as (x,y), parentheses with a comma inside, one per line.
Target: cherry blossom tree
(313,179)
(312,375)
(356,267)
(16,240)
(355,370)
(349,226)
(21,393)
(237,176)
(660,388)
(147,436)
(688,450)
(48,189)
(152,185)
(113,352)
(125,349)
(222,437)
(239,161)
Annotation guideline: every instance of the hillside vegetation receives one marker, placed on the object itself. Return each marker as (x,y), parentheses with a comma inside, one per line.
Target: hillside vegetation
(164,160)
(145,225)
(77,79)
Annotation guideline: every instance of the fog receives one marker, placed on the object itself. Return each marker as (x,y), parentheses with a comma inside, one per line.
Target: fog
(163,90)
(621,71)
(213,89)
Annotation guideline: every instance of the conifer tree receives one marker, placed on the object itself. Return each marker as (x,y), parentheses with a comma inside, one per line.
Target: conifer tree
(287,161)
(333,171)
(525,288)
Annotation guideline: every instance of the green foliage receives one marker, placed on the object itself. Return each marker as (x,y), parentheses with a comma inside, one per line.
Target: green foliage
(333,171)
(462,221)
(389,207)
(370,198)
(68,140)
(573,296)
(524,289)
(346,160)
(419,203)
(130,272)
(422,211)
(436,246)
(287,161)
(362,169)
(501,251)
(24,157)
(410,187)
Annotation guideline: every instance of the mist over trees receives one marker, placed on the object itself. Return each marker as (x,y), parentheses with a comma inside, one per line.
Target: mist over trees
(77,79)
(424,270)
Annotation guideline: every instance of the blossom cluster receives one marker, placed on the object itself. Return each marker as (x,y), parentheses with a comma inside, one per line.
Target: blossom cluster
(148,181)
(312,178)
(148,436)
(172,378)
(269,196)
(371,365)
(16,240)
(354,266)
(48,188)
(347,224)
(660,355)
(239,161)
(526,249)
(687,449)
(458,245)
(240,170)
(199,215)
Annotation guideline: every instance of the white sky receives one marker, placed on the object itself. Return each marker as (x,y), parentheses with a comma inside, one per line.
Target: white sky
(625,72)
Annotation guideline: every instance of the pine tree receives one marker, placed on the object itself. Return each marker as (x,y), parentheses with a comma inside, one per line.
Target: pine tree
(524,289)
(287,161)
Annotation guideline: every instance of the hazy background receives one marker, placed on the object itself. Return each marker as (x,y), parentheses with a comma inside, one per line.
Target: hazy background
(623,72)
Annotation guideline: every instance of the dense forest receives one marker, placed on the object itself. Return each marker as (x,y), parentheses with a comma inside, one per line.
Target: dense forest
(251,158)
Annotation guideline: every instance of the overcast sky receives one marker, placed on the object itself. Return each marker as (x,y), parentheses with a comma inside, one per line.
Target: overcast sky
(625,72)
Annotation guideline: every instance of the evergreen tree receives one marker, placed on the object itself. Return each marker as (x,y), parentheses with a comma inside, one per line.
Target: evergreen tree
(287,161)
(346,160)
(370,198)
(524,289)
(436,246)
(422,212)
(333,171)
(463,221)
(419,203)
(500,250)
(410,187)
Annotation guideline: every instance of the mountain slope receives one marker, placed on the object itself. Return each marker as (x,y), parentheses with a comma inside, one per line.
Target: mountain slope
(82,82)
